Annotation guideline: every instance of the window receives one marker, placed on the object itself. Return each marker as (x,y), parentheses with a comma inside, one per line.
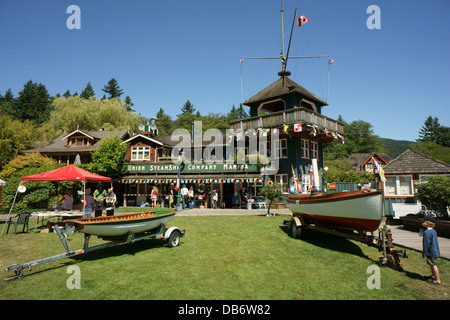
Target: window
(314,150)
(140,153)
(399,186)
(405,185)
(281,148)
(282,179)
(307,182)
(305,149)
(390,186)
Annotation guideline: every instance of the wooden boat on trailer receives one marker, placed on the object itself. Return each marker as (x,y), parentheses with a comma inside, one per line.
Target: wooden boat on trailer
(356,210)
(118,225)
(353,215)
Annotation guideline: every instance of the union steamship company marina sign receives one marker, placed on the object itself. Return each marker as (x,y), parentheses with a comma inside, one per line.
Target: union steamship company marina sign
(203,167)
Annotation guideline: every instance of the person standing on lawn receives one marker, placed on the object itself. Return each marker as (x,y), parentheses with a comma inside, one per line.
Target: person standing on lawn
(431,249)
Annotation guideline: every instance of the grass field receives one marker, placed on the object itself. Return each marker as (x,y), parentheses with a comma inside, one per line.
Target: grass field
(221,258)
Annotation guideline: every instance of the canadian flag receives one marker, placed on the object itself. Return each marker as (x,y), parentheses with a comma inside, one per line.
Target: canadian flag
(302,20)
(298,127)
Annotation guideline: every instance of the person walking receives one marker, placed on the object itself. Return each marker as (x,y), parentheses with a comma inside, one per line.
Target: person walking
(430,250)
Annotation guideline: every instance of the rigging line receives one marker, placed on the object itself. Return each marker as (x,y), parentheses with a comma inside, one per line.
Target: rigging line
(312,63)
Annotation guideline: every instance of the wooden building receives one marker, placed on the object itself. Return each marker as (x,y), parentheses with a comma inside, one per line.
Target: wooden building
(401,174)
(81,143)
(286,122)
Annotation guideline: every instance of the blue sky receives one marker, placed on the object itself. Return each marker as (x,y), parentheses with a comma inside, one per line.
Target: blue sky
(164,53)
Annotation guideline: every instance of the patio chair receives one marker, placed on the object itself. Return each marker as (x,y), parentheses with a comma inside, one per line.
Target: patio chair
(21,219)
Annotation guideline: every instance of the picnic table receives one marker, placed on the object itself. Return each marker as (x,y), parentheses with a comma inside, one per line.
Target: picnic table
(47,215)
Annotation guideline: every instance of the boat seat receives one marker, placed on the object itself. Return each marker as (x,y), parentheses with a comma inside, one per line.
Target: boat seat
(22,219)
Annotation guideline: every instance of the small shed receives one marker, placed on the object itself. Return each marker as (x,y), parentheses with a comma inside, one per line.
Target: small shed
(400,175)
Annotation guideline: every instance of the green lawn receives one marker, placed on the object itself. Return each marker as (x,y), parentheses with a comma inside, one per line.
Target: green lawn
(221,258)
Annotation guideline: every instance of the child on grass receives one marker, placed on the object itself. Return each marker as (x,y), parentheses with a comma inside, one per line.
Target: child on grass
(431,249)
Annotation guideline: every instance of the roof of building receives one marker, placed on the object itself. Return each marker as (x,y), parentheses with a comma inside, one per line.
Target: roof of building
(59,145)
(412,161)
(360,159)
(280,88)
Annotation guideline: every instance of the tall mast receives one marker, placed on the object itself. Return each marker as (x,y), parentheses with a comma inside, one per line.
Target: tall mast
(282,55)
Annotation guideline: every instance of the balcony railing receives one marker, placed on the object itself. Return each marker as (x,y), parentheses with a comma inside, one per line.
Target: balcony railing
(288,117)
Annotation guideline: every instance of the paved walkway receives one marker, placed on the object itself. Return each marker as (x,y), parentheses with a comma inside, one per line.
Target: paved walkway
(412,240)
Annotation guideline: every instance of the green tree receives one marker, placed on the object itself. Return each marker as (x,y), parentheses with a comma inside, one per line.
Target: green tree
(359,138)
(428,130)
(33,103)
(433,150)
(187,108)
(164,123)
(271,192)
(90,115)
(241,113)
(435,194)
(113,89)
(7,103)
(87,92)
(15,136)
(108,159)
(129,104)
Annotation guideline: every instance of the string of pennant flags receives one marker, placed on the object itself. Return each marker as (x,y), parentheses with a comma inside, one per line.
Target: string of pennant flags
(200,181)
(297,127)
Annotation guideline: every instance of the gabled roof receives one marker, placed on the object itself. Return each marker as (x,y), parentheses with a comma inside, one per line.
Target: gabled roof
(412,161)
(84,133)
(59,145)
(360,159)
(278,89)
(145,138)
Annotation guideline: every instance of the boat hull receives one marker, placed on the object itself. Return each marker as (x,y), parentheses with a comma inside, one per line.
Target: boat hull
(357,210)
(119,225)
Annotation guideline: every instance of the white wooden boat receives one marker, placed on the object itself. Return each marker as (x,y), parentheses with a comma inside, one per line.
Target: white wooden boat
(357,210)
(112,226)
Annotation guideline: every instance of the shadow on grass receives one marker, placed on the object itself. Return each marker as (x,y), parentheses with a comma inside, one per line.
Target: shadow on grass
(330,242)
(122,249)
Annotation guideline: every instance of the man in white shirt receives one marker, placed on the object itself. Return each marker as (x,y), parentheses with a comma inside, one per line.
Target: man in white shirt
(184,195)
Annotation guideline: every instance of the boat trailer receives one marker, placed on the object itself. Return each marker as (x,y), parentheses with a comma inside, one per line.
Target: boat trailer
(172,235)
(383,242)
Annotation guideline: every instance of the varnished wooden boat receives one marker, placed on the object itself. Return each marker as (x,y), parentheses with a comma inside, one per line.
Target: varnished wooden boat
(357,210)
(120,224)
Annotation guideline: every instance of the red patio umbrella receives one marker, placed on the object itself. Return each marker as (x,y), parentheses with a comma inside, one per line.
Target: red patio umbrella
(68,173)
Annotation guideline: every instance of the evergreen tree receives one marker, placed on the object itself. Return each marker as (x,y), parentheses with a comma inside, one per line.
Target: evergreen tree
(432,131)
(7,103)
(187,108)
(67,94)
(33,103)
(87,92)
(241,113)
(129,104)
(164,123)
(113,89)
(428,130)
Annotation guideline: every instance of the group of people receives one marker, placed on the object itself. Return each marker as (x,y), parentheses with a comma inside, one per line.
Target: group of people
(100,199)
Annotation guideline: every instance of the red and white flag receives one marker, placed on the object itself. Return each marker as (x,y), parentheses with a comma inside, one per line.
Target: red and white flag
(330,61)
(302,20)
(298,127)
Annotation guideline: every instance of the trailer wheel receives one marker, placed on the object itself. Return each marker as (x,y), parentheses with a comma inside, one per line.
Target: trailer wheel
(295,231)
(174,239)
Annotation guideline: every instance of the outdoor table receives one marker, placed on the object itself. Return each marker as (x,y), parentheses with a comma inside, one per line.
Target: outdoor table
(46,215)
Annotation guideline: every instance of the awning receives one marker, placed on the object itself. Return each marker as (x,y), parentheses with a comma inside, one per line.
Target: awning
(2,183)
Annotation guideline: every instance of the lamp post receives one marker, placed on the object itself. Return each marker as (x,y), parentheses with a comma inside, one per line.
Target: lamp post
(179,162)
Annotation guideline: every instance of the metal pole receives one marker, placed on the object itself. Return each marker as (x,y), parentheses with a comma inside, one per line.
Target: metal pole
(10,209)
